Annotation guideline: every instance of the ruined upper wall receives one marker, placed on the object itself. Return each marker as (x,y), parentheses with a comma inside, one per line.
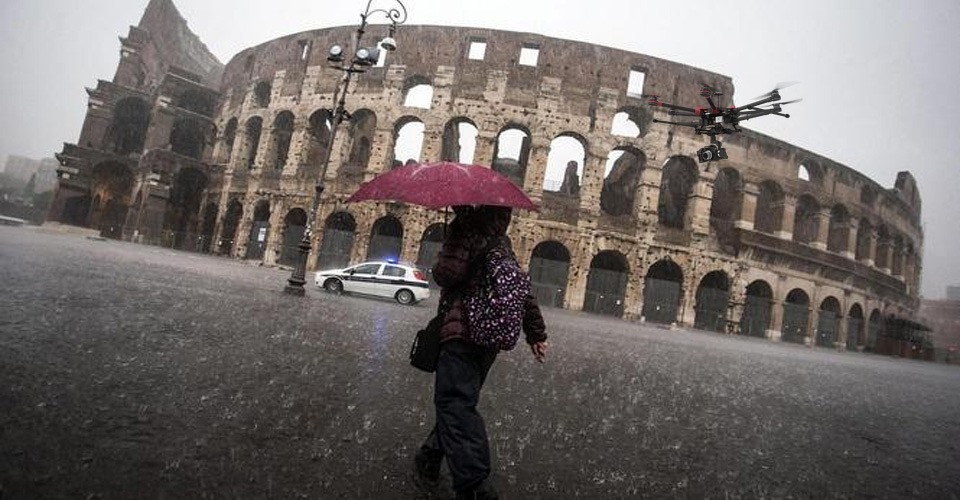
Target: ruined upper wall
(163,41)
(583,69)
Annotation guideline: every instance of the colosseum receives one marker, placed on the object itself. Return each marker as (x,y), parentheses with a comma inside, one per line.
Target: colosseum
(776,242)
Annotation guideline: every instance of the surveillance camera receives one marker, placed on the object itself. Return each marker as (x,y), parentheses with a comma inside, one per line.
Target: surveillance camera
(707,154)
(389,44)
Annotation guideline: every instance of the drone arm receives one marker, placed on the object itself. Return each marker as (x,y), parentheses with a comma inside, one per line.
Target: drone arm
(683,124)
(681,113)
(763,112)
(758,103)
(674,107)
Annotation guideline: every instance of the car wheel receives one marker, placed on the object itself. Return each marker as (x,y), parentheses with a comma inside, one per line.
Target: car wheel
(333,285)
(405,297)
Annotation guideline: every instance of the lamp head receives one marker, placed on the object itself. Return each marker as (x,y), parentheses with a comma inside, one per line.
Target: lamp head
(335,54)
(389,44)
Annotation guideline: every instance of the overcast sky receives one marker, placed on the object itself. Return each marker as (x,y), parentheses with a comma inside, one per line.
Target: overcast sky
(879,78)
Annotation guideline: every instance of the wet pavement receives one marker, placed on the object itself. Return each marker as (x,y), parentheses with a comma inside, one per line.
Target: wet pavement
(130,371)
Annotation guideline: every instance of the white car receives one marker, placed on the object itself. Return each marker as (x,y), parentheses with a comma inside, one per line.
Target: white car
(403,283)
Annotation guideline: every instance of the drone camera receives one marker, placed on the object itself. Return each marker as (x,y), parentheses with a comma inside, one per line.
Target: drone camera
(711,153)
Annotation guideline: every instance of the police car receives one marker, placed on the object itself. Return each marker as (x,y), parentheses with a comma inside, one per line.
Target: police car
(403,283)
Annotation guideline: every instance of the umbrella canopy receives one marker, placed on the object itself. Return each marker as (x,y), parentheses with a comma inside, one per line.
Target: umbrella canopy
(444,184)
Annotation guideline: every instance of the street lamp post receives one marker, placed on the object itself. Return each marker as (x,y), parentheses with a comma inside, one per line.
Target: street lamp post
(363,57)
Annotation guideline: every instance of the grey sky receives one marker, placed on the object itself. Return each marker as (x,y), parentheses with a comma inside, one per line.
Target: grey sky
(877,76)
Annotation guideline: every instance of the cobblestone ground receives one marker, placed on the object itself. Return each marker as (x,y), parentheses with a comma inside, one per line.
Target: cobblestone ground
(137,372)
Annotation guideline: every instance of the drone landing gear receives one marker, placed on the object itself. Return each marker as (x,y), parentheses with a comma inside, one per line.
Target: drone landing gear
(713,152)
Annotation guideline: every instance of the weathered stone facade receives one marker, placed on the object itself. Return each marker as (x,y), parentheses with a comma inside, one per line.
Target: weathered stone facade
(776,241)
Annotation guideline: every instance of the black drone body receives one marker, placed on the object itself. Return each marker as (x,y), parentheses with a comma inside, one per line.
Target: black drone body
(715,119)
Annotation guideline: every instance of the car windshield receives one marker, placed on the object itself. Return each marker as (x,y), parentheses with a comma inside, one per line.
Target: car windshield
(219,222)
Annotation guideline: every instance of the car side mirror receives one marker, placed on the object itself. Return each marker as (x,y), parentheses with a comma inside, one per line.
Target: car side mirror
(352,272)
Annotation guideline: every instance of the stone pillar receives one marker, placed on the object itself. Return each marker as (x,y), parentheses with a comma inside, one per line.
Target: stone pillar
(271,251)
(577,277)
(698,204)
(536,169)
(748,207)
(823,229)
(649,194)
(486,144)
(299,143)
(789,213)
(591,183)
(432,144)
(852,231)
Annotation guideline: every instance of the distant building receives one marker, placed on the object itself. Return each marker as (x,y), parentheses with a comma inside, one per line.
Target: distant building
(21,168)
(943,318)
(953,292)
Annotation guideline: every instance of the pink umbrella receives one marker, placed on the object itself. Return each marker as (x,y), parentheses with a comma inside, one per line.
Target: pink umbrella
(444,184)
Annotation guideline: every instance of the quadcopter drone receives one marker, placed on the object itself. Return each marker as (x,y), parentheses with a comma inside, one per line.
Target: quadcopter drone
(716,120)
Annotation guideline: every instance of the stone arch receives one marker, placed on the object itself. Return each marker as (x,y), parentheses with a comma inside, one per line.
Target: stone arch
(757,309)
(549,272)
(231,220)
(607,284)
(512,152)
(868,196)
(676,185)
(408,135)
(418,92)
(282,134)
(565,163)
(253,128)
(363,129)
(810,171)
(128,129)
(111,189)
(430,243)
(319,129)
(864,232)
(259,230)
(828,322)
(712,302)
(883,247)
(770,200)
(662,291)
(183,206)
(262,93)
(294,225)
(796,316)
(621,179)
(855,326)
(459,140)
(806,221)
(727,201)
(229,138)
(339,232)
(839,232)
(631,121)
(188,137)
(386,239)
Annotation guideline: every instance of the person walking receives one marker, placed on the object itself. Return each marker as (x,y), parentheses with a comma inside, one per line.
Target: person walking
(475,263)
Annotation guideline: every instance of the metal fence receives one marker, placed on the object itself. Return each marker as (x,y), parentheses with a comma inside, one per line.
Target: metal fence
(796,319)
(661,300)
(756,316)
(711,308)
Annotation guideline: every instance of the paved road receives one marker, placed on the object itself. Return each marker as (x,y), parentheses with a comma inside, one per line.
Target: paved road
(137,372)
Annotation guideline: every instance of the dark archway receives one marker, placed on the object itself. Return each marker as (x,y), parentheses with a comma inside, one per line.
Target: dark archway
(339,231)
(188,137)
(112,192)
(855,326)
(769,215)
(363,128)
(873,328)
(662,291)
(512,152)
(259,230)
(128,130)
(828,322)
(607,284)
(252,141)
(864,236)
(386,239)
(622,178)
(549,273)
(727,200)
(839,230)
(713,300)
(757,309)
(806,222)
(262,93)
(430,244)
(796,316)
(676,185)
(293,226)
(318,138)
(282,134)
(231,221)
(459,140)
(181,218)
(229,138)
(210,214)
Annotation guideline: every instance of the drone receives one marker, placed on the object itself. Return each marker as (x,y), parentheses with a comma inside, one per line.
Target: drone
(717,120)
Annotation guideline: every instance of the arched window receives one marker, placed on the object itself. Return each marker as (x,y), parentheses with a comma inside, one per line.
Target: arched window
(363,126)
(254,127)
(408,141)
(839,232)
(512,152)
(187,138)
(621,179)
(806,223)
(459,141)
(229,138)
(128,130)
(676,185)
(727,198)
(565,165)
(282,133)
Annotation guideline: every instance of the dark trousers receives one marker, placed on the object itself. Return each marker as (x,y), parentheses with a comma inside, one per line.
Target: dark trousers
(459,433)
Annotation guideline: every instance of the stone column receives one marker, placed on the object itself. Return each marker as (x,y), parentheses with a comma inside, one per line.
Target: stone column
(823,229)
(577,277)
(591,184)
(299,143)
(271,250)
(748,207)
(852,231)
(698,205)
(536,169)
(789,213)
(649,194)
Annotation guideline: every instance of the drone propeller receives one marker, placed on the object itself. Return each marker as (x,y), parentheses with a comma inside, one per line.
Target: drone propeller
(708,90)
(780,86)
(784,103)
